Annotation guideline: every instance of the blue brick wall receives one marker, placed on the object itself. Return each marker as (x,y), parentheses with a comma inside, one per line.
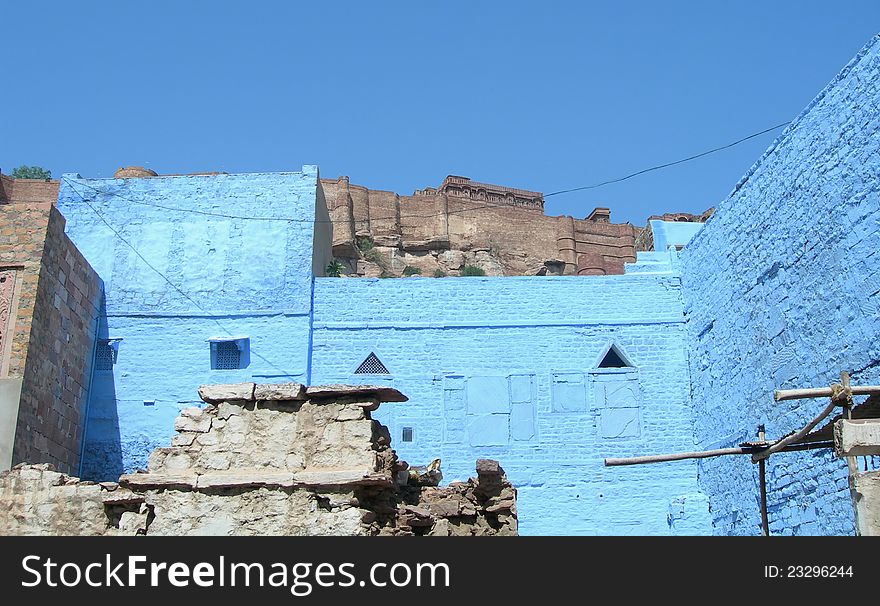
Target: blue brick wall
(782,290)
(238,277)
(506,368)
(672,233)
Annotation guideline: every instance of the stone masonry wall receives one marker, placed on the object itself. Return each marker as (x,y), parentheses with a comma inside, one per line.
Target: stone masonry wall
(272,460)
(790,308)
(51,413)
(443,233)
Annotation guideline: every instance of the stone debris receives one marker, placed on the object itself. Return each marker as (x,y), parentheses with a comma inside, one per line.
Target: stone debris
(427,475)
(267,460)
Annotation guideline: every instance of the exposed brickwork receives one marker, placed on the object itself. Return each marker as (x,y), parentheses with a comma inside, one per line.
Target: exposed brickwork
(51,328)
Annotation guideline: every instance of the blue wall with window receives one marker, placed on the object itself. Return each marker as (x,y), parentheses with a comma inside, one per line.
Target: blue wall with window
(183,277)
(512,369)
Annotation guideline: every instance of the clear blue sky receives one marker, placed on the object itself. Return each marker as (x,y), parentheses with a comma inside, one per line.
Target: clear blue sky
(538,95)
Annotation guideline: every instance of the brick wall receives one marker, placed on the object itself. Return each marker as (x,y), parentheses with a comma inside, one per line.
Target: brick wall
(51,412)
(51,329)
(507,368)
(782,290)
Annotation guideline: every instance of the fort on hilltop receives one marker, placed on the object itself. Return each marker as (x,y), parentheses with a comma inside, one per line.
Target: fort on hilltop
(501,230)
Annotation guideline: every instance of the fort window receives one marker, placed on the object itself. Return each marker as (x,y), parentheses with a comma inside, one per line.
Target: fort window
(230,353)
(372,365)
(406,434)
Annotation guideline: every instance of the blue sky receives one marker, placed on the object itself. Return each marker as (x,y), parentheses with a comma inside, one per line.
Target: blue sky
(543,96)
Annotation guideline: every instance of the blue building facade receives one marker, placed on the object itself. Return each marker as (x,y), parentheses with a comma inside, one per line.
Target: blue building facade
(549,375)
(218,279)
(196,291)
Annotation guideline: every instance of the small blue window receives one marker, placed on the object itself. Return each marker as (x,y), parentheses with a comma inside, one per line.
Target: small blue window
(230,354)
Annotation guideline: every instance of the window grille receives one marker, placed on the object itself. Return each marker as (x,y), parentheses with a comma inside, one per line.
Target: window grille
(228,356)
(406,435)
(372,365)
(105,356)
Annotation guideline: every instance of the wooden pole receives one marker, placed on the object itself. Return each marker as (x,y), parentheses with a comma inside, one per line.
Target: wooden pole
(762,478)
(779,445)
(821,392)
(762,481)
(680,456)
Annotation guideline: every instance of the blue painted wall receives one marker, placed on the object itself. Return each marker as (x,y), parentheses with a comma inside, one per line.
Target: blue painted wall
(230,276)
(506,368)
(672,233)
(782,289)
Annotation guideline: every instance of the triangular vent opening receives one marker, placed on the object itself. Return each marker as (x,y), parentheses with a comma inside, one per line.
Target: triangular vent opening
(372,366)
(614,359)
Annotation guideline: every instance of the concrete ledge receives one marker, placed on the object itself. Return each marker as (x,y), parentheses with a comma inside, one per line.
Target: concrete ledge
(250,478)
(857,438)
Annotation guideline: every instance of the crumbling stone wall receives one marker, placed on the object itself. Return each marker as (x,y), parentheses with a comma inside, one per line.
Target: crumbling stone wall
(267,460)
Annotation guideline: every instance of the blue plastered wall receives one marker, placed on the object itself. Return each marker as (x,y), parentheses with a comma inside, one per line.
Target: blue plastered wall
(782,290)
(507,368)
(178,273)
(672,233)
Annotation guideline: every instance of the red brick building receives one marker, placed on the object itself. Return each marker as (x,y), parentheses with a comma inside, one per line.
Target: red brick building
(49,302)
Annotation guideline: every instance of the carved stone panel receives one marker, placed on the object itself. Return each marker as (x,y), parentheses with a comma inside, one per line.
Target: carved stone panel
(7,285)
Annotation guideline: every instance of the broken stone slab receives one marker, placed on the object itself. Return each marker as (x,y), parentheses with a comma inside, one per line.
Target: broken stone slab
(445,508)
(246,478)
(158,480)
(279,392)
(192,420)
(380,393)
(214,394)
(501,506)
(336,477)
(121,496)
(488,467)
(857,438)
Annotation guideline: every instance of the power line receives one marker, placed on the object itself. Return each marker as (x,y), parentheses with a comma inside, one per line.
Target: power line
(172,284)
(428,215)
(668,164)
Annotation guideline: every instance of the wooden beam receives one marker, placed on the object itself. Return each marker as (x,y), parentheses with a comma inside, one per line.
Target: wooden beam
(779,445)
(680,456)
(821,392)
